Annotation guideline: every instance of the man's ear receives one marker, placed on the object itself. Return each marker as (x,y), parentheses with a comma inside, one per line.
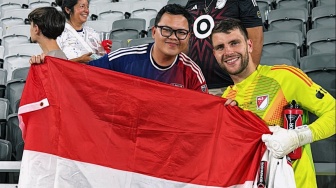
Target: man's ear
(153,31)
(250,45)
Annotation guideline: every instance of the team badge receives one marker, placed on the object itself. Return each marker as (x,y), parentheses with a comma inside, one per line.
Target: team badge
(220,4)
(203,88)
(262,102)
(203,26)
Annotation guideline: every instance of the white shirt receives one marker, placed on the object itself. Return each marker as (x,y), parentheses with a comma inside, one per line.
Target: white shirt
(71,46)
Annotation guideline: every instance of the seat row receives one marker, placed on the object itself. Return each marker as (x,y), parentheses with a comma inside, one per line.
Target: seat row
(296,10)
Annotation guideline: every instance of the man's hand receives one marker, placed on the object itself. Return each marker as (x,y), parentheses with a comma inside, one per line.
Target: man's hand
(83,59)
(37,59)
(284,141)
(230,102)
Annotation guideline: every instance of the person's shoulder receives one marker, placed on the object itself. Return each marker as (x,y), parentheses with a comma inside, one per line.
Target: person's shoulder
(89,29)
(286,72)
(129,52)
(190,64)
(283,69)
(186,60)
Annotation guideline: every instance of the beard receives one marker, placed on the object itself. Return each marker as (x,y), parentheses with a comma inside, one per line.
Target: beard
(244,59)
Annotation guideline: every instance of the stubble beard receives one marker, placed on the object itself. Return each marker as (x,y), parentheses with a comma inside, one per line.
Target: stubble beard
(244,62)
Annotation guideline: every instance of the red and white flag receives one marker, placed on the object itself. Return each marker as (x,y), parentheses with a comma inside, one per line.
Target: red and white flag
(88,127)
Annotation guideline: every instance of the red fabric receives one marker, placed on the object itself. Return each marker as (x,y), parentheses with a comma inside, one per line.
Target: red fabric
(107,44)
(129,123)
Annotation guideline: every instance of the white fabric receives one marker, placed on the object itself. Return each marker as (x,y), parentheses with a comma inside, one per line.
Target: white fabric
(49,168)
(279,173)
(73,47)
(284,141)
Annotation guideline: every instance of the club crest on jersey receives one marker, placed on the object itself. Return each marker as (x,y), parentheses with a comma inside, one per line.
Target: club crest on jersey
(203,88)
(262,102)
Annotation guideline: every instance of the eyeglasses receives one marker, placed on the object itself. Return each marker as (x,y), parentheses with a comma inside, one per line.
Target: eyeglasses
(166,31)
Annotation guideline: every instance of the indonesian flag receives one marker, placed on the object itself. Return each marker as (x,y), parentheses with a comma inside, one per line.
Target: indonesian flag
(88,127)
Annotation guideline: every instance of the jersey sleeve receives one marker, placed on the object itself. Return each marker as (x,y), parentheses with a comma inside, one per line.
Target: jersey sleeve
(315,99)
(102,62)
(249,13)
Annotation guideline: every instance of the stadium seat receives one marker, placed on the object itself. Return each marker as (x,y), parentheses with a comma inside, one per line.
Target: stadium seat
(99,7)
(265,8)
(5,23)
(3,80)
(323,16)
(135,42)
(21,2)
(180,2)
(128,1)
(288,19)
(307,4)
(13,62)
(285,43)
(111,16)
(49,1)
(148,4)
(37,4)
(21,73)
(29,49)
(18,30)
(278,60)
(321,40)
(15,136)
(14,90)
(17,12)
(325,2)
(117,43)
(146,14)
(133,23)
(124,34)
(2,54)
(125,29)
(100,25)
(5,150)
(5,155)
(10,40)
(321,68)
(4,110)
(151,24)
(9,5)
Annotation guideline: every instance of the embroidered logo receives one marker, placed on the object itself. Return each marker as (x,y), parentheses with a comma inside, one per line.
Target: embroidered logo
(262,102)
(203,88)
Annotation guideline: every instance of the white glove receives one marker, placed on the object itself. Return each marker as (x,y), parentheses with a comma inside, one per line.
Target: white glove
(284,141)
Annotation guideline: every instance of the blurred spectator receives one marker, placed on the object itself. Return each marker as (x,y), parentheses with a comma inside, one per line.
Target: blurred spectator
(46,24)
(208,12)
(79,43)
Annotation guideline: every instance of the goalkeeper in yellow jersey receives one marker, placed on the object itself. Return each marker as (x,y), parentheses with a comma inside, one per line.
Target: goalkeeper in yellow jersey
(266,90)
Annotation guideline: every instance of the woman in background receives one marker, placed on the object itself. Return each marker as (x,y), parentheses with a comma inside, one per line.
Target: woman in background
(79,43)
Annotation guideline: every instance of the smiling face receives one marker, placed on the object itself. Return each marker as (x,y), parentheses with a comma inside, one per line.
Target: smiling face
(170,46)
(80,12)
(232,52)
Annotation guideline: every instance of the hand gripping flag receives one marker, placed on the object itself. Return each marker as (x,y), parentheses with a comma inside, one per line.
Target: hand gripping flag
(88,127)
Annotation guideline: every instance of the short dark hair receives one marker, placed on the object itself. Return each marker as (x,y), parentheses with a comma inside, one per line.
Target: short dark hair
(228,24)
(50,21)
(67,4)
(174,9)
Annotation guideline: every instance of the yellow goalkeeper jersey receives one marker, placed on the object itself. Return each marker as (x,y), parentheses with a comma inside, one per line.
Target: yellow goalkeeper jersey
(269,89)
